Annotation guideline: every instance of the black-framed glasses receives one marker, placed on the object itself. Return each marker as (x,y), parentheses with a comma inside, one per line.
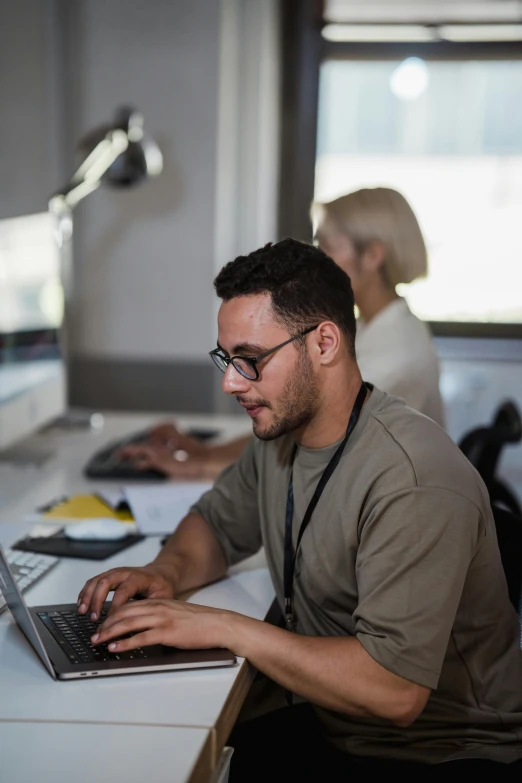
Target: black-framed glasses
(247,365)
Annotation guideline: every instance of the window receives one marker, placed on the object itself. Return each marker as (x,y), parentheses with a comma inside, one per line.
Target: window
(447,133)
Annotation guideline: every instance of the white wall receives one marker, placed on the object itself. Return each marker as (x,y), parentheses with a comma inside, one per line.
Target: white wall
(144,258)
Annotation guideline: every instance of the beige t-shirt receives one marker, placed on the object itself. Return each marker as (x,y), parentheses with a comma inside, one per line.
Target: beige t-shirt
(401,552)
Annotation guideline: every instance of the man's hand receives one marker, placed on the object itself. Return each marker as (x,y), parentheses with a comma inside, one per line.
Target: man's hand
(152,581)
(161,621)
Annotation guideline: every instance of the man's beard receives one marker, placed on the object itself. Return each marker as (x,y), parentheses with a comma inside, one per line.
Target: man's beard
(296,406)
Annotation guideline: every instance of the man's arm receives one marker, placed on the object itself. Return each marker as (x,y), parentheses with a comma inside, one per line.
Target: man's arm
(336,673)
(190,558)
(193,555)
(333,672)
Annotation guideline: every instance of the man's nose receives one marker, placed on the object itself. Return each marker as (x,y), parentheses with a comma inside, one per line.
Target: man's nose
(233,382)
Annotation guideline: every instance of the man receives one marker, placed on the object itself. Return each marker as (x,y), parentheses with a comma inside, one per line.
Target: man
(375,237)
(401,645)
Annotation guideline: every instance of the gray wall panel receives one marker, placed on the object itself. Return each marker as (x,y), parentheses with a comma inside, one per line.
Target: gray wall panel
(29,107)
(110,384)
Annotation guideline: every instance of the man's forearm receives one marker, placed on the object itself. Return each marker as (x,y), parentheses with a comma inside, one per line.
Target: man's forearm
(333,672)
(192,556)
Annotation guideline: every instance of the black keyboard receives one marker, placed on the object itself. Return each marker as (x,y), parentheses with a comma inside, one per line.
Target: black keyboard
(73,633)
(109,464)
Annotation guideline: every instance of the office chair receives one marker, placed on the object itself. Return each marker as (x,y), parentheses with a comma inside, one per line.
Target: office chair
(483,446)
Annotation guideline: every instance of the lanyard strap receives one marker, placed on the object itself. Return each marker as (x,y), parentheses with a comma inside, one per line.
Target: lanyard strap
(290,555)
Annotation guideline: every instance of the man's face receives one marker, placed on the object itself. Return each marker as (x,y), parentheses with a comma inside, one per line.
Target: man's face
(285,397)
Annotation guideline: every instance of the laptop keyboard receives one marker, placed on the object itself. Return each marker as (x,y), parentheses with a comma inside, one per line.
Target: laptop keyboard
(73,633)
(27,568)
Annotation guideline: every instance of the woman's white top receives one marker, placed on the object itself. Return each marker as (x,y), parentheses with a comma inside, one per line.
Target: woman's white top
(396,352)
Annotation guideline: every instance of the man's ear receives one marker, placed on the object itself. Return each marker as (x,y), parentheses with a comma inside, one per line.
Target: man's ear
(327,342)
(372,258)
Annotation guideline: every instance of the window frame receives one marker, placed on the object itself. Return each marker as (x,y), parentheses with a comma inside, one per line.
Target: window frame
(302,61)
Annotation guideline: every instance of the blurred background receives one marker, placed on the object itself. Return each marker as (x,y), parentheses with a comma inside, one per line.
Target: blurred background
(257,107)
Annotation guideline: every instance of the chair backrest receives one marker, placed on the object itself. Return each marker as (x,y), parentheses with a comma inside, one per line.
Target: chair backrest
(483,446)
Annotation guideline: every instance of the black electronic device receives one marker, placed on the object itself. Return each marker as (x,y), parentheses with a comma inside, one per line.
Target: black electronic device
(61,546)
(62,639)
(108,463)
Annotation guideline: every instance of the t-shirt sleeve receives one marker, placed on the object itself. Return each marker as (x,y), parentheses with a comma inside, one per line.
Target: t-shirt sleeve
(231,508)
(415,550)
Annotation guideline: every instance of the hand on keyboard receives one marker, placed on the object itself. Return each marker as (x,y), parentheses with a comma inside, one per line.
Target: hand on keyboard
(115,462)
(177,465)
(110,463)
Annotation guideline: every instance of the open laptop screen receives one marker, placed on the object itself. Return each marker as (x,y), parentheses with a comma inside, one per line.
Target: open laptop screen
(18,607)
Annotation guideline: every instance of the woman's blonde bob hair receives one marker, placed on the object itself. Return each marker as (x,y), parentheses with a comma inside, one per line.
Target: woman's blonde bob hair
(377,215)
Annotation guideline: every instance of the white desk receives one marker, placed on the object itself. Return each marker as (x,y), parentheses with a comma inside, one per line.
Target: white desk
(188,698)
(94,753)
(203,699)
(64,453)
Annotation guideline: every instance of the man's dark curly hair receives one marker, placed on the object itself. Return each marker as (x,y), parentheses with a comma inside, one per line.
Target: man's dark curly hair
(305,284)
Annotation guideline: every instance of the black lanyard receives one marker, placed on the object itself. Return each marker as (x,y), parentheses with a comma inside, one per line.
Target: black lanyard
(290,555)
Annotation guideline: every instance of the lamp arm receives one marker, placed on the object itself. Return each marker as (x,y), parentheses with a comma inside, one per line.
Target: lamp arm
(61,204)
(88,176)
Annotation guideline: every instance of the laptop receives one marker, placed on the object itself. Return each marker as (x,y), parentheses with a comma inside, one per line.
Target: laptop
(60,636)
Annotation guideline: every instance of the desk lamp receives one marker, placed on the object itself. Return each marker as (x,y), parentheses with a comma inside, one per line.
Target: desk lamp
(120,155)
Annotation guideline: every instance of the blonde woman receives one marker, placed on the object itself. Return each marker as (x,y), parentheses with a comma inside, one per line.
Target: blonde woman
(374,236)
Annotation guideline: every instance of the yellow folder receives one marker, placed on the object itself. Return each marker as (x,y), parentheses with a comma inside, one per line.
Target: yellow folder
(83,507)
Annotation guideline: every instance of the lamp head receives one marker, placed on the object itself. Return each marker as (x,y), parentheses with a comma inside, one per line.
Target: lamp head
(140,160)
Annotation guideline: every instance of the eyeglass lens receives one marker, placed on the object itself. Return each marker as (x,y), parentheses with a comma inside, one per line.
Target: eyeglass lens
(245,368)
(241,365)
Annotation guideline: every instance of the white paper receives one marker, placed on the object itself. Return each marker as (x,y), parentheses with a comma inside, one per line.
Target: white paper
(158,510)
(111,497)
